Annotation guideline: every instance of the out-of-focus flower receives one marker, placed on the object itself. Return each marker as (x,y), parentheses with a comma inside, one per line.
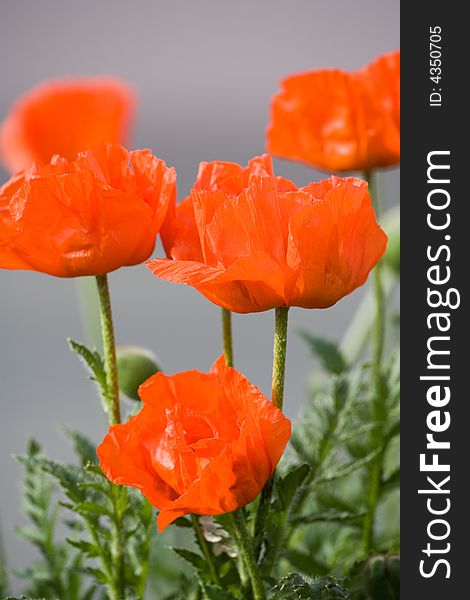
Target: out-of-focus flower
(339,121)
(65,117)
(275,245)
(180,235)
(202,443)
(89,216)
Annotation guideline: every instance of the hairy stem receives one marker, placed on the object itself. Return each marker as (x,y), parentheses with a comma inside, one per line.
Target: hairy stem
(227,336)
(109,349)
(279,355)
(114,417)
(245,548)
(277,396)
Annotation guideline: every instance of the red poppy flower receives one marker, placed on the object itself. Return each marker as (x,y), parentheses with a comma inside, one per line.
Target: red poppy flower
(202,443)
(85,217)
(339,121)
(275,245)
(180,235)
(65,117)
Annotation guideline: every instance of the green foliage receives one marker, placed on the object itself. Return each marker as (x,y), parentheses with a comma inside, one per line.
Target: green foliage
(333,510)
(295,587)
(93,361)
(327,352)
(109,529)
(57,573)
(377,578)
(348,436)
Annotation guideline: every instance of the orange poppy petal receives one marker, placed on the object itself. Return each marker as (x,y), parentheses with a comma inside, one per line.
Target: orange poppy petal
(85,217)
(203,443)
(65,117)
(339,121)
(334,244)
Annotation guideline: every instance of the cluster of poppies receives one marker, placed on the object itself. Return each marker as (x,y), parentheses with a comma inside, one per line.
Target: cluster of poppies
(81,204)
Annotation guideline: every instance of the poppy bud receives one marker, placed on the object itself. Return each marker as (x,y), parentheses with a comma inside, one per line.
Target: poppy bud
(135,365)
(381,577)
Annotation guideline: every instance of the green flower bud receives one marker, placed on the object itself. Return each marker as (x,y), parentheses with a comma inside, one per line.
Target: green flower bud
(135,365)
(381,577)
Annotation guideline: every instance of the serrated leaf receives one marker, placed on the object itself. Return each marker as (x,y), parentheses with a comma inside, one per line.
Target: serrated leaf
(305,562)
(97,574)
(294,587)
(290,483)
(192,558)
(337,472)
(84,546)
(92,508)
(84,448)
(331,516)
(93,362)
(327,352)
(183,522)
(213,592)
(291,587)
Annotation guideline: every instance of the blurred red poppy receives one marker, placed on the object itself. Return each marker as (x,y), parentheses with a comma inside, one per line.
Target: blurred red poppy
(339,121)
(202,443)
(89,216)
(275,245)
(65,117)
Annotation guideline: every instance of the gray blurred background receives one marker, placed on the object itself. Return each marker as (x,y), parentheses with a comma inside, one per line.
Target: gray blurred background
(204,71)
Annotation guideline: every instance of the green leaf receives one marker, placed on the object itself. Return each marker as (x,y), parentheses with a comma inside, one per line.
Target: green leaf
(213,592)
(93,361)
(343,470)
(84,546)
(327,352)
(183,522)
(192,558)
(294,587)
(84,448)
(97,574)
(92,508)
(331,516)
(305,562)
(291,587)
(290,483)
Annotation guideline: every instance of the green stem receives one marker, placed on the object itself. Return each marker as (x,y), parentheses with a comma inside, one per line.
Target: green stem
(114,416)
(279,355)
(117,548)
(379,321)
(227,336)
(109,348)
(277,397)
(206,550)
(245,548)
(376,466)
